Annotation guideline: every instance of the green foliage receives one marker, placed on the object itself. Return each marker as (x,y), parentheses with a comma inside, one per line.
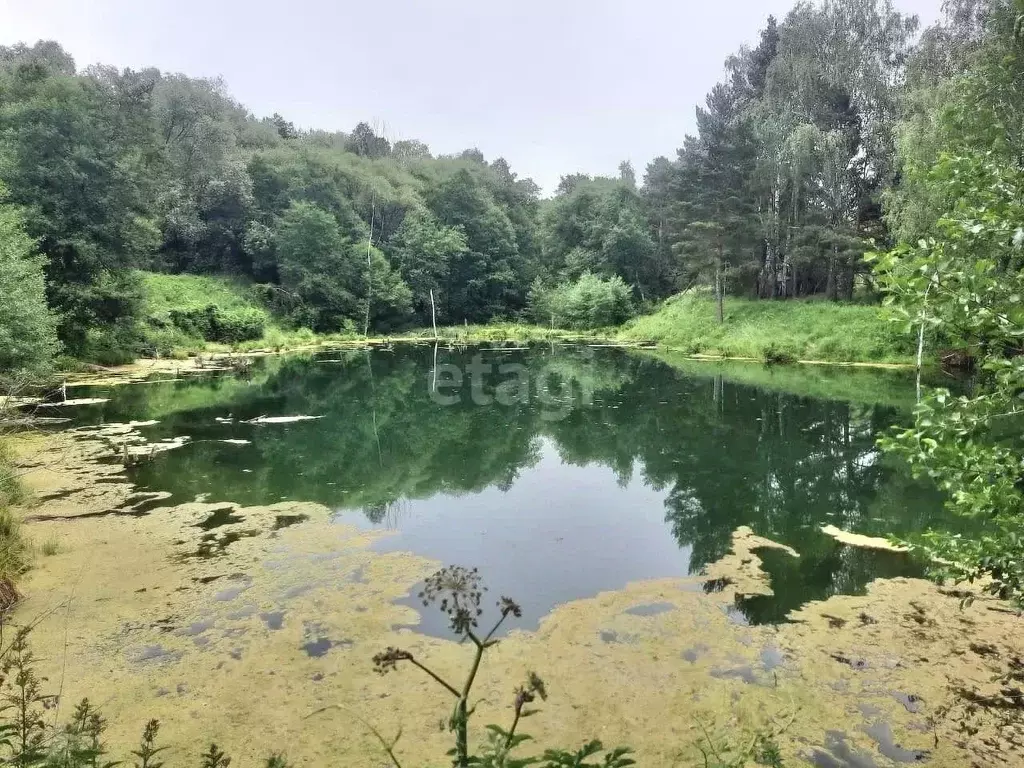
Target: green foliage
(318,268)
(119,170)
(457,592)
(597,225)
(21,703)
(424,251)
(215,324)
(28,337)
(65,158)
(183,311)
(146,754)
(804,330)
(966,283)
(15,550)
(215,757)
(589,302)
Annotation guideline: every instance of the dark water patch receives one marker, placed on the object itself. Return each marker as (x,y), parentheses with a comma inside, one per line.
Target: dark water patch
(910,701)
(318,647)
(114,512)
(286,521)
(825,568)
(147,506)
(714,586)
(650,609)
(853,662)
(207,579)
(201,641)
(112,479)
(744,673)
(58,495)
(882,735)
(220,517)
(692,654)
(166,624)
(230,593)
(273,619)
(869,710)
(245,612)
(316,642)
(157,653)
(736,615)
(297,591)
(236,654)
(837,753)
(772,658)
(197,627)
(213,544)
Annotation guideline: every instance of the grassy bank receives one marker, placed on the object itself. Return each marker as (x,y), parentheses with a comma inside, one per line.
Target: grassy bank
(778,331)
(187,315)
(15,550)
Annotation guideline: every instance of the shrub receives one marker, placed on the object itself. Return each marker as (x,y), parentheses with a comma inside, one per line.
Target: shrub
(590,302)
(28,338)
(227,326)
(15,554)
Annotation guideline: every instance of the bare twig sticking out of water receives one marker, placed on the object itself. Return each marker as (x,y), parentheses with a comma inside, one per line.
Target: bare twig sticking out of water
(373,409)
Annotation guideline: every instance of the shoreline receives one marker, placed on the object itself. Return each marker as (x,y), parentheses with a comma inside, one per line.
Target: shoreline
(214,361)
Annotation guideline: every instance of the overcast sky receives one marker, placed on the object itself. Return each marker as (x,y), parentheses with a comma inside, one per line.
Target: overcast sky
(555,86)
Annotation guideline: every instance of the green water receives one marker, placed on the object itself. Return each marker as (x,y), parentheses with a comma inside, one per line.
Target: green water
(559,472)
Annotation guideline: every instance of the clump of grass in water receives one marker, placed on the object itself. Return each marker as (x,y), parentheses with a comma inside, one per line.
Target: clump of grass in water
(458,592)
(50,547)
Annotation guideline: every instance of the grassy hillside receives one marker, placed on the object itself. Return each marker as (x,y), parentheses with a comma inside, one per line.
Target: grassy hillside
(773,330)
(167,292)
(186,314)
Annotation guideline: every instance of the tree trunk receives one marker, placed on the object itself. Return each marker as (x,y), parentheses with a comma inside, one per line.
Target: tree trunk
(848,284)
(830,286)
(433,313)
(719,300)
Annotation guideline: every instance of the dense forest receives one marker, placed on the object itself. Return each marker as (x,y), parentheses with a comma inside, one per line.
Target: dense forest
(816,143)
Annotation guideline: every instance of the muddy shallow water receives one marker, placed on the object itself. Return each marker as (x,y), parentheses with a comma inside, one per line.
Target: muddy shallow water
(664,538)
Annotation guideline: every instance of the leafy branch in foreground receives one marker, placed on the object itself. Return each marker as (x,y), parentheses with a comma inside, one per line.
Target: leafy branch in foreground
(966,284)
(458,592)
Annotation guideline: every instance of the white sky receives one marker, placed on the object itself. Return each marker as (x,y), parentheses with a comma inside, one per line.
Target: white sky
(554,86)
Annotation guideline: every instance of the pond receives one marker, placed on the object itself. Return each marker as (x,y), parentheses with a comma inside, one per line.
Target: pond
(561,472)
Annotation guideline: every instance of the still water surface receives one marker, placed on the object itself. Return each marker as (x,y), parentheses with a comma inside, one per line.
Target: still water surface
(559,472)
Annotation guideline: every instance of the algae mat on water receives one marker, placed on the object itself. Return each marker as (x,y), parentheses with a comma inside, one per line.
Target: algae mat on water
(267,645)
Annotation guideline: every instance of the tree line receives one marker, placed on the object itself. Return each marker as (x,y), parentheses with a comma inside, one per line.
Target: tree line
(109,171)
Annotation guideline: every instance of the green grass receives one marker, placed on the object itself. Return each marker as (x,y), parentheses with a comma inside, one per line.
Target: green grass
(773,330)
(504,331)
(11,491)
(51,547)
(15,551)
(167,292)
